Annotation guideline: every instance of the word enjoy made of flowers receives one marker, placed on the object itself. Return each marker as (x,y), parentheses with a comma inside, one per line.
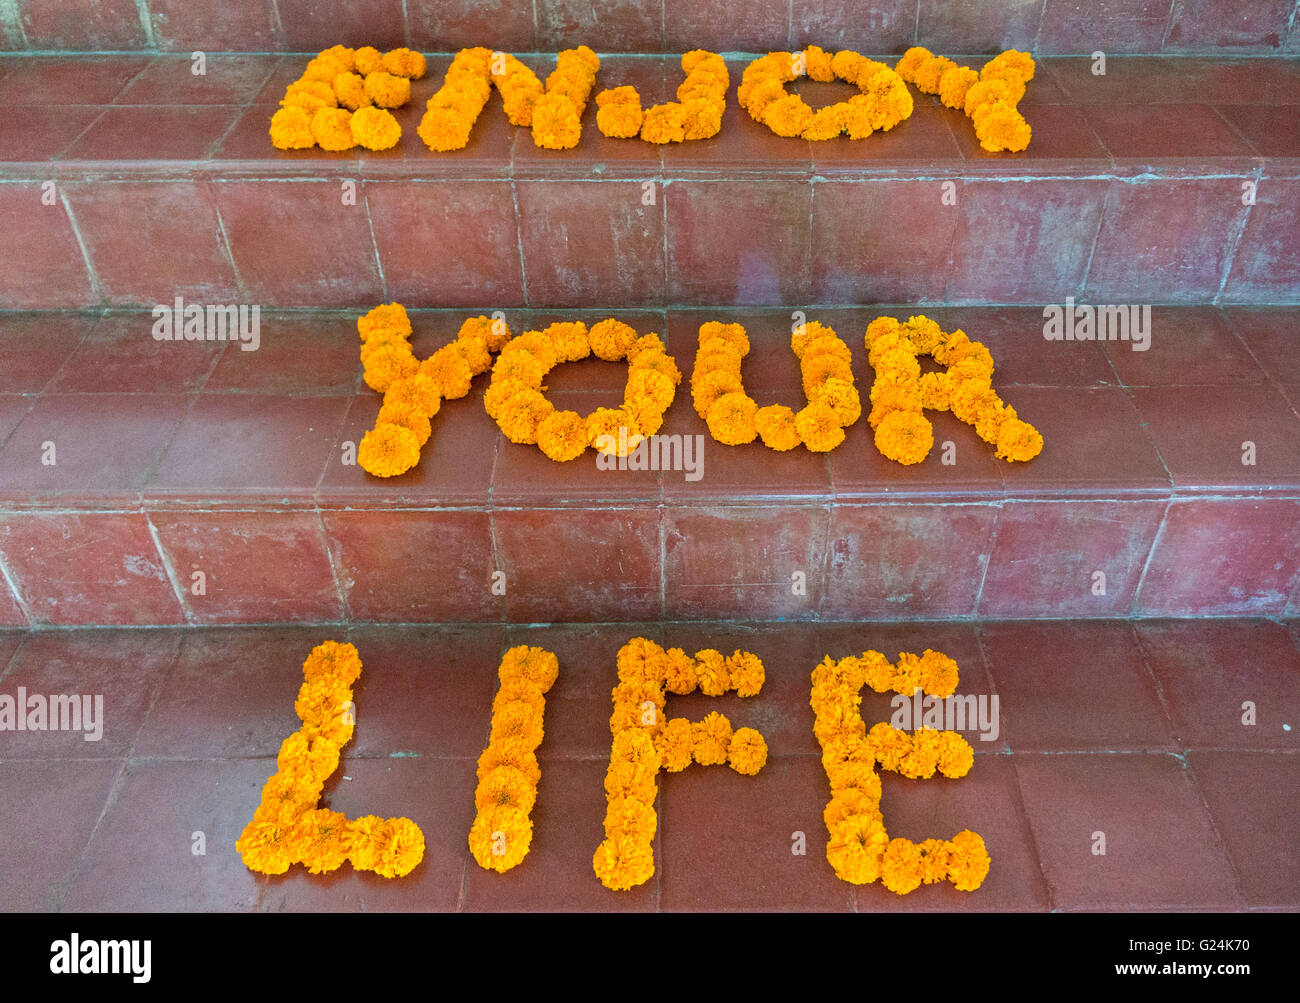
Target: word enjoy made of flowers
(414,389)
(859,848)
(289,827)
(343,98)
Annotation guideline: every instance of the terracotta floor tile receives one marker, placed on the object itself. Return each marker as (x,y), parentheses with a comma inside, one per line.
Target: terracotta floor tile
(37,133)
(228,79)
(61,802)
(314,353)
(1207,670)
(69,79)
(231,693)
(1161,850)
(141,857)
(125,668)
(121,356)
(1193,346)
(436,794)
(727,840)
(426,690)
(1269,333)
(986,801)
(36,345)
(1247,794)
(1074,685)
(154,133)
(105,446)
(557,874)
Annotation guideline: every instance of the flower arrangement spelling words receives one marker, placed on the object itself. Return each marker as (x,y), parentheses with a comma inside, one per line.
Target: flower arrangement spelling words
(342,100)
(696,114)
(900,392)
(414,390)
(884,102)
(645,741)
(508,771)
(553,112)
(734,418)
(988,97)
(859,848)
(517,403)
(289,827)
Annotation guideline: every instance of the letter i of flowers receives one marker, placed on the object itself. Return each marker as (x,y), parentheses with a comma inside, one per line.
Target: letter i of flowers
(508,770)
(859,848)
(289,826)
(645,742)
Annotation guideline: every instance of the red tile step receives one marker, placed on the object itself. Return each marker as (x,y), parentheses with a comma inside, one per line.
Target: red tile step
(884,26)
(198,483)
(1168,179)
(1120,736)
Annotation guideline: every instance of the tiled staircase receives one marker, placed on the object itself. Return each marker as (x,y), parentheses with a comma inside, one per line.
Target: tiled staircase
(199,485)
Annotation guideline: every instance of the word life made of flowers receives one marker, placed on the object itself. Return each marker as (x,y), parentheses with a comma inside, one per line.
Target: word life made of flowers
(859,848)
(508,771)
(289,826)
(645,741)
(343,97)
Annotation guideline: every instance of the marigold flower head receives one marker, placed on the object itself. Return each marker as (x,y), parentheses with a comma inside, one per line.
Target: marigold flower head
(850,803)
(731,419)
(309,95)
(747,752)
(842,398)
(1002,127)
(989,92)
(387,90)
(900,866)
(776,425)
(611,339)
(905,437)
(375,128)
(701,118)
(746,673)
(711,668)
(556,125)
(1018,440)
(505,787)
(404,62)
(388,450)
(291,129)
(350,90)
(911,62)
(522,415)
(1009,64)
(819,427)
(710,739)
(562,436)
(500,838)
(521,759)
(956,757)
(322,840)
(855,849)
(675,744)
(266,845)
(624,862)
(414,421)
(619,119)
(680,676)
(968,861)
(613,431)
(530,664)
(448,372)
(664,123)
(732,334)
(625,816)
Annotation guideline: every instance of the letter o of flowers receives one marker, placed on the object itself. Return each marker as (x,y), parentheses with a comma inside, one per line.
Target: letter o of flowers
(516,402)
(884,102)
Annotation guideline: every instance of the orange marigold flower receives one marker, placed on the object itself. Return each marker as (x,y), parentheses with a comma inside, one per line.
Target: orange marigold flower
(375,128)
(710,739)
(611,339)
(414,421)
(620,119)
(732,334)
(387,318)
(1018,440)
(842,398)
(521,759)
(680,676)
(664,123)
(935,391)
(500,838)
(562,436)
(387,90)
(556,125)
(322,839)
(701,117)
(388,450)
(613,431)
(309,95)
(350,89)
(291,130)
(731,419)
(1002,127)
(522,415)
(624,862)
(819,427)
(448,372)
(675,745)
(968,861)
(331,128)
(266,845)
(641,660)
(626,816)
(711,669)
(535,666)
(746,673)
(776,425)
(905,436)
(1011,63)
(855,849)
(938,673)
(404,62)
(954,84)
(505,787)
(900,866)
(956,757)
(747,752)
(850,803)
